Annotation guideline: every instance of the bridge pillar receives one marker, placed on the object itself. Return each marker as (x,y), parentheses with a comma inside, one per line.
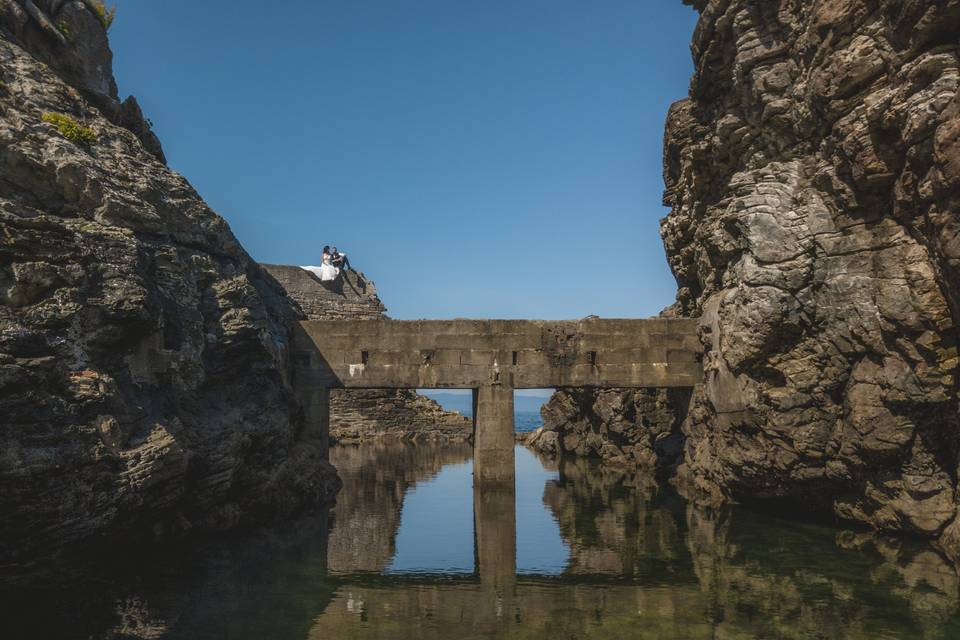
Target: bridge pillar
(316,409)
(493,435)
(495,547)
(494,495)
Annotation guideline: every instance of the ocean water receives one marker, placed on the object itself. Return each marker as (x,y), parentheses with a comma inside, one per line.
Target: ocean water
(412,551)
(526,409)
(526,421)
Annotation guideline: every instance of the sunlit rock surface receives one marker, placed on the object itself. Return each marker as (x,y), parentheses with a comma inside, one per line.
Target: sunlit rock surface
(814,180)
(142,390)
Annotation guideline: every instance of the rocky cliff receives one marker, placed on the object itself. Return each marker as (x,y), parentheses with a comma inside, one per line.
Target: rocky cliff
(630,427)
(142,390)
(814,180)
(356,414)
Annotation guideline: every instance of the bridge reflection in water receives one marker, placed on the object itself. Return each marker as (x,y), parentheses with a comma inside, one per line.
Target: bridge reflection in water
(492,601)
(638,562)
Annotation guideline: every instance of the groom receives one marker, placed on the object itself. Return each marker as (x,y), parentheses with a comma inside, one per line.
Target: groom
(339,259)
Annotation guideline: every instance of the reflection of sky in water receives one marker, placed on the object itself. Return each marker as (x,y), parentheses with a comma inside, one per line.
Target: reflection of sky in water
(540,549)
(436,524)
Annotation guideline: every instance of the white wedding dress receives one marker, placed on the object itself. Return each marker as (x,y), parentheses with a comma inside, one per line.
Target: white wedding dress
(326,271)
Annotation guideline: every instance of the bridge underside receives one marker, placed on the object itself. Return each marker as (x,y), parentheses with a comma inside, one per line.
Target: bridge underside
(491,357)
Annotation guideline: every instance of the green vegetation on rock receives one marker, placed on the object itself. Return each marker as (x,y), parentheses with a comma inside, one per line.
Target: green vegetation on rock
(105,15)
(70,129)
(64,29)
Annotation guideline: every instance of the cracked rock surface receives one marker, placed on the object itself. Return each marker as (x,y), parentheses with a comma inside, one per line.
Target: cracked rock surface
(629,427)
(814,180)
(142,385)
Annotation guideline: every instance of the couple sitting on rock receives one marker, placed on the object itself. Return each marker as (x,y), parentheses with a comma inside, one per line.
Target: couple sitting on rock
(331,262)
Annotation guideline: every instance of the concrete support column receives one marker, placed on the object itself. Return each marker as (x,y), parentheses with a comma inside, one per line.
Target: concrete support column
(493,434)
(495,545)
(316,409)
(494,498)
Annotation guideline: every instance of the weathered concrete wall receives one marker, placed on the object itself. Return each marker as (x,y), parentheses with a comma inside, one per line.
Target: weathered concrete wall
(492,357)
(367,413)
(469,354)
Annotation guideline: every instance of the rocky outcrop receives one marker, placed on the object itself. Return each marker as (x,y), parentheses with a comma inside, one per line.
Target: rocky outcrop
(356,414)
(814,180)
(636,428)
(70,37)
(142,372)
(350,297)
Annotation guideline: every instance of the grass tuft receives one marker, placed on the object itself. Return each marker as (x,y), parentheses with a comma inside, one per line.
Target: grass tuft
(105,15)
(65,30)
(70,129)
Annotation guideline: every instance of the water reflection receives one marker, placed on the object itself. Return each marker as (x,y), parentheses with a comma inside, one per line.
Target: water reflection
(636,561)
(377,477)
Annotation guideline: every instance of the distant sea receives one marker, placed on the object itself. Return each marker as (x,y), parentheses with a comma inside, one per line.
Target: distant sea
(526,409)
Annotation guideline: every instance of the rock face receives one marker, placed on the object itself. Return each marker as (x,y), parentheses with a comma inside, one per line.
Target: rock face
(70,38)
(142,390)
(636,428)
(814,180)
(367,413)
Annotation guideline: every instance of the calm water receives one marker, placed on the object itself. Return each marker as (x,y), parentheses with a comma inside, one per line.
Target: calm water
(598,555)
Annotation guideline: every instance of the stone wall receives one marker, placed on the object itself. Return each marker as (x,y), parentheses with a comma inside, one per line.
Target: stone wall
(814,180)
(350,297)
(142,351)
(366,413)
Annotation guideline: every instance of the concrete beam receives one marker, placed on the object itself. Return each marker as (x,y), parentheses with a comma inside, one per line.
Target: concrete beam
(465,354)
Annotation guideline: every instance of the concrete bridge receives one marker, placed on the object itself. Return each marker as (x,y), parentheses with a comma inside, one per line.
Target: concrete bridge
(491,357)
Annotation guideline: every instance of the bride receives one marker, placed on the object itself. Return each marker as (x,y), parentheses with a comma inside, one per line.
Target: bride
(327,270)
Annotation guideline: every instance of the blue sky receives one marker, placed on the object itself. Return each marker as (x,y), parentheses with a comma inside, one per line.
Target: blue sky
(475,159)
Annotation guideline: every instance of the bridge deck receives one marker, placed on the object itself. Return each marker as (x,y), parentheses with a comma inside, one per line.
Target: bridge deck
(468,354)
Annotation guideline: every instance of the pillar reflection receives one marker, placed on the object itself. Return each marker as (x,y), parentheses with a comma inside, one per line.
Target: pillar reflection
(495,544)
